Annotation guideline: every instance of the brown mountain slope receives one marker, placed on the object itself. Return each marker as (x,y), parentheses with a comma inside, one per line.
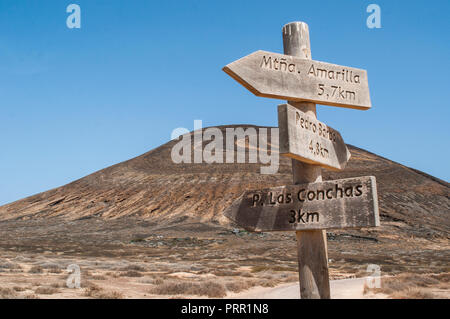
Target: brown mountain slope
(152,187)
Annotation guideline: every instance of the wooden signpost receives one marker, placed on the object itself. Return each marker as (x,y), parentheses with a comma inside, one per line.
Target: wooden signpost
(310,205)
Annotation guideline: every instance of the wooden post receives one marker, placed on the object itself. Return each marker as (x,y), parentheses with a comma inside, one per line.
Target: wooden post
(311,244)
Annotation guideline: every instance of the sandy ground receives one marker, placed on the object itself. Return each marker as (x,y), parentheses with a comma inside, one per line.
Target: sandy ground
(127,259)
(340,289)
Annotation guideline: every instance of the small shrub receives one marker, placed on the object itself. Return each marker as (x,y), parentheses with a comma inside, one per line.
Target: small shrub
(54,270)
(268,283)
(259,268)
(51,268)
(413,293)
(97,292)
(92,290)
(157,281)
(8,265)
(443,278)
(36,269)
(131,273)
(133,268)
(226,273)
(110,295)
(46,290)
(237,286)
(7,293)
(210,289)
(409,286)
(57,285)
(112,274)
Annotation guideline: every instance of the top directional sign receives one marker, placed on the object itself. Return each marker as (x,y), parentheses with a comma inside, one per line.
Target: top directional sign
(291,78)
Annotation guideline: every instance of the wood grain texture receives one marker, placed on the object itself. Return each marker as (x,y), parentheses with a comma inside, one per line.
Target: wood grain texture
(312,267)
(304,138)
(312,248)
(280,76)
(346,203)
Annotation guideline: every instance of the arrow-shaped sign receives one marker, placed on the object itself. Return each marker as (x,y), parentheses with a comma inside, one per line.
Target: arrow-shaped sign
(306,139)
(345,203)
(291,78)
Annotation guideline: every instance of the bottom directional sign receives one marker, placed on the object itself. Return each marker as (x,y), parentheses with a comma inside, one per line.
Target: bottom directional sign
(345,203)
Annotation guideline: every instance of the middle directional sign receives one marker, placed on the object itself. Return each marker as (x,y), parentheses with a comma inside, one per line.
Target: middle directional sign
(306,139)
(291,78)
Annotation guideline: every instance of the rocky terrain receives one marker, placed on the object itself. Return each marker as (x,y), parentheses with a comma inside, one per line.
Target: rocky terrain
(148,223)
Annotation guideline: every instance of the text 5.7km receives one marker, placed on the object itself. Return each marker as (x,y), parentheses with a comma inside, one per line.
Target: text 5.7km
(336,92)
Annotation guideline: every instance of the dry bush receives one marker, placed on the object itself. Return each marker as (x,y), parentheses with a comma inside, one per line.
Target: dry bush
(237,286)
(19,288)
(7,293)
(413,293)
(97,292)
(146,280)
(57,285)
(226,273)
(98,277)
(240,285)
(286,268)
(131,273)
(85,284)
(420,280)
(46,290)
(208,288)
(271,268)
(92,290)
(36,270)
(51,268)
(112,274)
(54,270)
(157,281)
(268,283)
(109,295)
(10,266)
(133,268)
(31,296)
(442,278)
(408,285)
(289,278)
(259,268)
(391,285)
(85,273)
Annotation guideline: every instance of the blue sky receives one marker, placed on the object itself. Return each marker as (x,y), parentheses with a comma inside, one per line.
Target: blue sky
(73,101)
